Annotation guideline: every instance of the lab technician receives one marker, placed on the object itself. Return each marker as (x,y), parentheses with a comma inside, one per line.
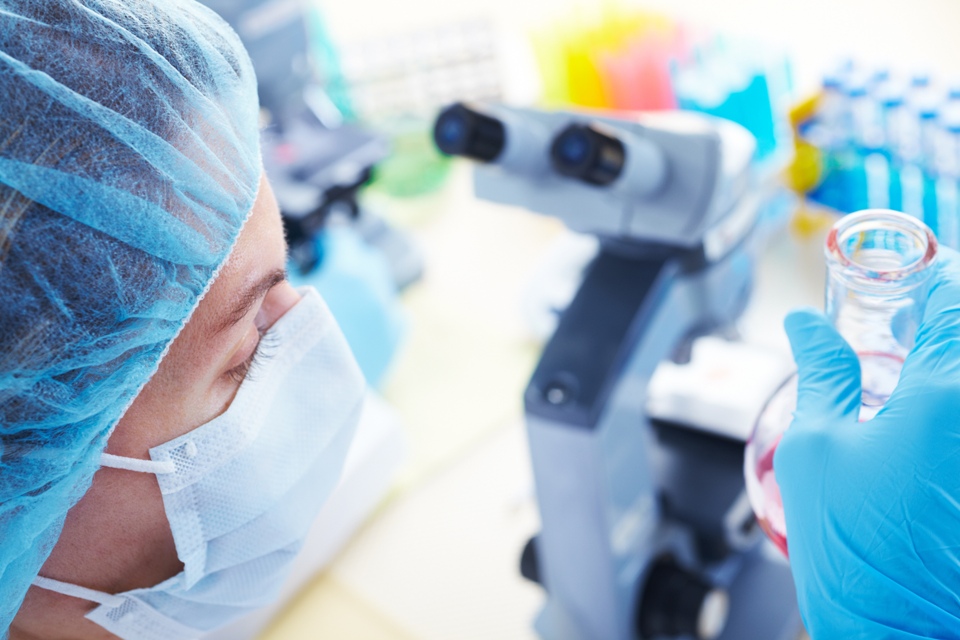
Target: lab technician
(163,383)
(145,314)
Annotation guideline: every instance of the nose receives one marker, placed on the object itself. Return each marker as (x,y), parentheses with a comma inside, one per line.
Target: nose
(277,302)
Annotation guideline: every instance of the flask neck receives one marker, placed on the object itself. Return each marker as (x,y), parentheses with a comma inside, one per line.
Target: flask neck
(879,252)
(879,265)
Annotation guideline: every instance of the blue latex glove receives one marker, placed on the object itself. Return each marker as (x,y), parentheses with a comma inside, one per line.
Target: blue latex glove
(873,509)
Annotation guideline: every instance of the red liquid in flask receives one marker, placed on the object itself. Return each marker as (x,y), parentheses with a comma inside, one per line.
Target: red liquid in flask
(880,372)
(773,523)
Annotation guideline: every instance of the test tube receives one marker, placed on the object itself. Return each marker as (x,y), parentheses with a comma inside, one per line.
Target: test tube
(931,132)
(869,121)
(864,115)
(879,264)
(948,181)
(922,90)
(831,104)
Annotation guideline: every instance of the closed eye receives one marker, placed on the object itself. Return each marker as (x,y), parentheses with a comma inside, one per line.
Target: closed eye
(266,347)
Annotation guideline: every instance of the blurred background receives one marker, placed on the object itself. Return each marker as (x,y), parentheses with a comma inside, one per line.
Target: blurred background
(447,300)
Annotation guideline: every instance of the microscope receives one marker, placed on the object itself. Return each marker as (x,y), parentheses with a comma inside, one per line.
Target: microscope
(317,163)
(646,533)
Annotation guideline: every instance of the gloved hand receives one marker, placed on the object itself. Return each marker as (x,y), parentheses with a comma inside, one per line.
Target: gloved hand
(873,508)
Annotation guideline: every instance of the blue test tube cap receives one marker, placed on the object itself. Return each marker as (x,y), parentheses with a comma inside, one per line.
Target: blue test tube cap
(857,85)
(832,81)
(845,66)
(880,75)
(855,90)
(892,99)
(951,120)
(920,79)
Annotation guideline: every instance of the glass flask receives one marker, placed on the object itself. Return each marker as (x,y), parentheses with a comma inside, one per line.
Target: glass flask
(879,264)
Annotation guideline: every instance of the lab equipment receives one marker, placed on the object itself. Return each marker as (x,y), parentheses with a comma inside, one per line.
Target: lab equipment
(129,161)
(398,82)
(623,58)
(241,491)
(413,73)
(317,165)
(643,526)
(878,267)
(745,89)
(616,57)
(358,285)
(871,509)
(885,140)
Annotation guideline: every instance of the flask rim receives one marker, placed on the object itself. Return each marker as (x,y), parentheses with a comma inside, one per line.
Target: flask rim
(851,269)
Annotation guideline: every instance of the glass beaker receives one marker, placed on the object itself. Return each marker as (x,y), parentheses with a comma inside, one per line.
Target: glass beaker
(878,270)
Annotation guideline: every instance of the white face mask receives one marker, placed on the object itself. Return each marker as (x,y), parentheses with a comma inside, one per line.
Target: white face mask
(241,491)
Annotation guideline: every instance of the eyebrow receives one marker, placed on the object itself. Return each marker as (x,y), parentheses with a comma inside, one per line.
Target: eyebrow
(248,297)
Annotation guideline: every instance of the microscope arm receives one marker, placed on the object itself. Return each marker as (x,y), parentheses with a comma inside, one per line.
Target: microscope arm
(590,439)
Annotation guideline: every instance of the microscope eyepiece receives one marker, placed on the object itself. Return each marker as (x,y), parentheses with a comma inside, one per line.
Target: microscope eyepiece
(462,131)
(583,152)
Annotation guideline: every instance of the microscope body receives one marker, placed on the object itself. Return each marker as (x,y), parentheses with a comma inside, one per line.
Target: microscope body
(603,472)
(644,532)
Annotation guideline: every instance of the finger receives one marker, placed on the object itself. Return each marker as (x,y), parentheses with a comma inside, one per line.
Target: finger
(937,350)
(942,309)
(828,370)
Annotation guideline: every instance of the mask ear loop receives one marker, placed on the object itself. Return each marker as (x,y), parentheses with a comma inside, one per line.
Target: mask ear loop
(136,464)
(76,591)
(92,595)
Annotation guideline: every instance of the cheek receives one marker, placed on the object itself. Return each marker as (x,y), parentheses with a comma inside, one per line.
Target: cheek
(186,392)
(117,537)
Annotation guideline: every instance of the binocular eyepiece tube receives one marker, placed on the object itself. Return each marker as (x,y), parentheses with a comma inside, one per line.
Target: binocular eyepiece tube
(462,131)
(493,135)
(597,155)
(592,153)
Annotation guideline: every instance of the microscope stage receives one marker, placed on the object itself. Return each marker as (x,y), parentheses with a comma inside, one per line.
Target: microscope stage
(721,390)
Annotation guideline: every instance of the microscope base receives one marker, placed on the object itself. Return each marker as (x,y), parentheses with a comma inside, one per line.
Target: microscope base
(763,581)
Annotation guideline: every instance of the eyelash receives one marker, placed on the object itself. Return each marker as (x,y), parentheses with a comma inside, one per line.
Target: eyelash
(263,352)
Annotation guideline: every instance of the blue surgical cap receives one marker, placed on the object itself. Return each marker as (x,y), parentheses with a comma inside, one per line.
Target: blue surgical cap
(129,161)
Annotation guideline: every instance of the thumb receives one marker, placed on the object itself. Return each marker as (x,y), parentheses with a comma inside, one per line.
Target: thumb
(828,370)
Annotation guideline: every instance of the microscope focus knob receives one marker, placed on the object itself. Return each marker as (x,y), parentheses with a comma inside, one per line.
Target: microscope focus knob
(463,131)
(676,602)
